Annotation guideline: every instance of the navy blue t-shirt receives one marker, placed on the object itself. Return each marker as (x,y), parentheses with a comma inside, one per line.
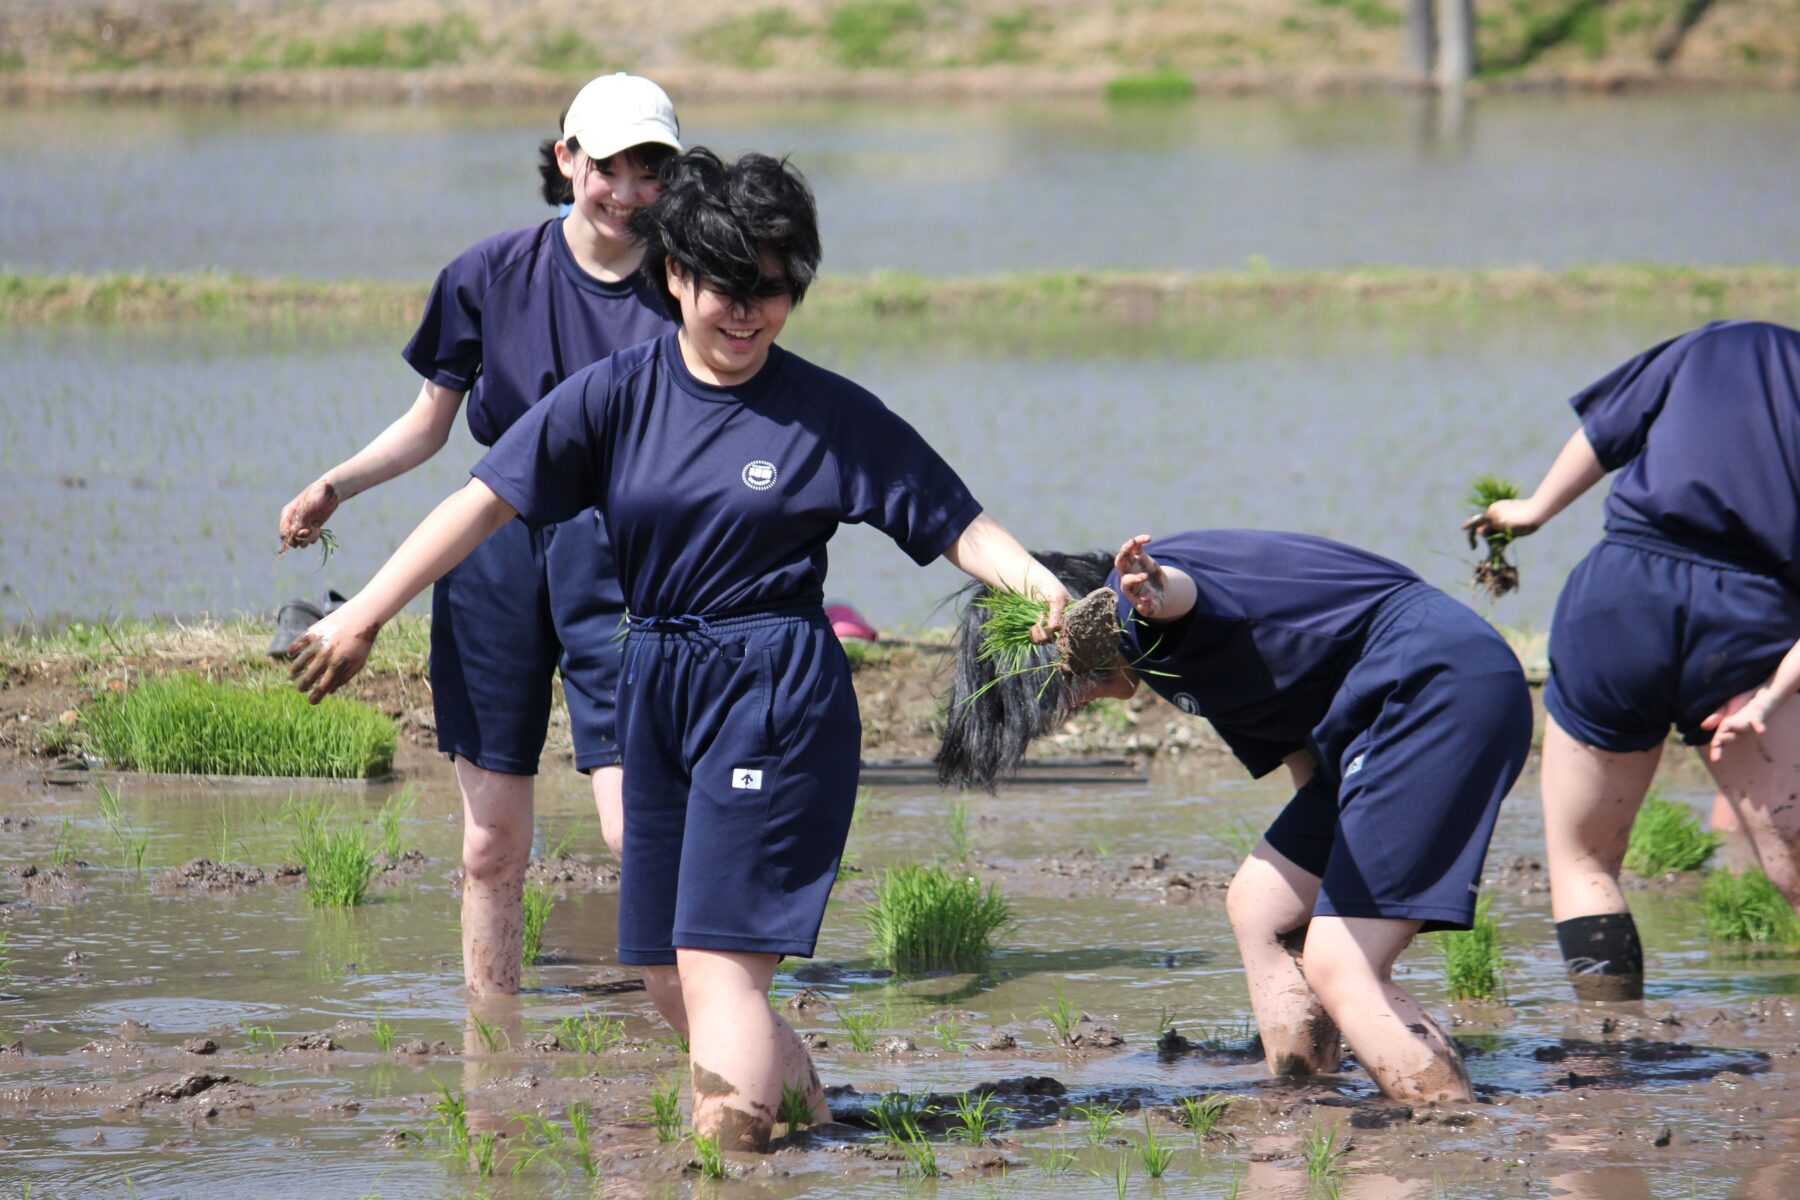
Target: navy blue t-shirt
(515,315)
(1704,431)
(722,498)
(1277,623)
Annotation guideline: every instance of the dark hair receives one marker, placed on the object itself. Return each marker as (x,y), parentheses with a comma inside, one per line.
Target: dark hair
(557,189)
(716,220)
(989,722)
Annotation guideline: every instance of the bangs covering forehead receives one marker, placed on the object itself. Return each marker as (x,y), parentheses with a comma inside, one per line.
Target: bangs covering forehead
(747,229)
(649,156)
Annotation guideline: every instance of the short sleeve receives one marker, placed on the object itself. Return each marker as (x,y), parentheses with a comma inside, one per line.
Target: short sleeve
(1259,755)
(446,348)
(1617,410)
(549,465)
(892,479)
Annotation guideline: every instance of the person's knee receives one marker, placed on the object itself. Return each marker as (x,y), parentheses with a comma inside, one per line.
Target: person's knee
(664,985)
(1244,908)
(1334,980)
(495,854)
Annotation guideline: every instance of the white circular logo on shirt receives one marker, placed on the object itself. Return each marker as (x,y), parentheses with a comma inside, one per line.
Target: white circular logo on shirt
(1187,704)
(759,475)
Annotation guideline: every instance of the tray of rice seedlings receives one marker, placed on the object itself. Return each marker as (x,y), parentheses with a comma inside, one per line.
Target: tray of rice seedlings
(1087,642)
(1497,573)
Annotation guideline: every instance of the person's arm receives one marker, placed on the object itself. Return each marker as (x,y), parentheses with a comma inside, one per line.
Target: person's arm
(1158,592)
(985,551)
(1576,469)
(1750,711)
(420,433)
(329,655)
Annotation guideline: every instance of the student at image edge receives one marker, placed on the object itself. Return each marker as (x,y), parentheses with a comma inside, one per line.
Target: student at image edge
(722,465)
(1401,715)
(1685,614)
(508,320)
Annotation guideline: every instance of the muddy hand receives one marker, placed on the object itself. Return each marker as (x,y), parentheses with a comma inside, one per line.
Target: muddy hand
(1045,631)
(305,515)
(1745,713)
(1141,577)
(326,657)
(1502,516)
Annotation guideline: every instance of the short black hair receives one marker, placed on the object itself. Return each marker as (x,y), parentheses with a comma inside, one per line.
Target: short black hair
(716,220)
(990,720)
(557,189)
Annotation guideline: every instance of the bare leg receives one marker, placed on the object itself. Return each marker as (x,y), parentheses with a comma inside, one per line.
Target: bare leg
(1724,818)
(1590,799)
(1350,964)
(497,815)
(1269,899)
(609,799)
(1761,776)
(742,1053)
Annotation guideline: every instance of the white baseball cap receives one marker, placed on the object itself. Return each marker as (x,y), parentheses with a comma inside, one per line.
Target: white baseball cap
(616,112)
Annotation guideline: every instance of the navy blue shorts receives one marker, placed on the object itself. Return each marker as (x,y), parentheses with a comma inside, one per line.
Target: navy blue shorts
(1649,634)
(526,603)
(1422,742)
(742,747)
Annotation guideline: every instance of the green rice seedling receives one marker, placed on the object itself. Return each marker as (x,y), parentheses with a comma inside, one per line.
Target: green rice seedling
(924,918)
(897,1112)
(794,1112)
(1496,572)
(1120,1176)
(861,1025)
(708,1157)
(63,852)
(581,1138)
(450,1118)
(978,1119)
(544,1137)
(539,900)
(949,1035)
(665,1111)
(956,828)
(921,1155)
(6,964)
(1062,1016)
(132,846)
(1165,86)
(1155,1153)
(1201,1114)
(1473,963)
(1053,1159)
(681,1042)
(328,544)
(262,1037)
(221,847)
(1226,1036)
(383,1033)
(483,1152)
(493,1038)
(560,847)
(185,724)
(589,1033)
(1666,836)
(395,809)
(1239,838)
(1747,908)
(1165,1021)
(334,854)
(1100,1119)
(1324,1153)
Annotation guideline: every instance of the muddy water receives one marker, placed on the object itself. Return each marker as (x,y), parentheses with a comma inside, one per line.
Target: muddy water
(146,467)
(1691,1094)
(940,188)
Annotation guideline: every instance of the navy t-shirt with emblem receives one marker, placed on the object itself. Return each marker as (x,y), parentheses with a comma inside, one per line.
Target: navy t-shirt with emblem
(723,498)
(1704,432)
(1277,623)
(515,315)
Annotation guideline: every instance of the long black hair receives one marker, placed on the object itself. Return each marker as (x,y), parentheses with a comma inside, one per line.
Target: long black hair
(986,737)
(716,220)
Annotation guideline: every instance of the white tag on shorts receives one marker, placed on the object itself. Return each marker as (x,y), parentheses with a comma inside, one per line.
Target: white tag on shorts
(744,777)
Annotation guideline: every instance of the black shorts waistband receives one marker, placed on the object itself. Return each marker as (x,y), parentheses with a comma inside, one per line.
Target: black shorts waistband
(1653,541)
(724,620)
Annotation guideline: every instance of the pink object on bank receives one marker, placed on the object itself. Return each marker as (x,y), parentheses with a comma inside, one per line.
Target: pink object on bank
(846,622)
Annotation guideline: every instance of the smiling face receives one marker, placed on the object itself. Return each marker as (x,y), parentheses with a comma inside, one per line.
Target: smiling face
(607,192)
(726,341)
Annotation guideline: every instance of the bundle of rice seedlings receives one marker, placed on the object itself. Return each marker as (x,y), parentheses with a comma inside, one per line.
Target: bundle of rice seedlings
(1748,908)
(1666,836)
(1087,641)
(924,918)
(1473,963)
(1498,574)
(335,855)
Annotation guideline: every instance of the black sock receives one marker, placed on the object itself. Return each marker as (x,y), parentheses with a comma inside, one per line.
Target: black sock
(1604,956)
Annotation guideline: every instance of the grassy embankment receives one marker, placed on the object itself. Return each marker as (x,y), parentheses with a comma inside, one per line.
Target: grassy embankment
(1139,49)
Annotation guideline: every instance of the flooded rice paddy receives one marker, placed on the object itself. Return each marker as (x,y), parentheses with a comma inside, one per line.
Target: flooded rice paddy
(163,1039)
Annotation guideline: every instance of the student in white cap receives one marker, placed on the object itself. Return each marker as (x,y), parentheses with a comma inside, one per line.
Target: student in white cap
(508,320)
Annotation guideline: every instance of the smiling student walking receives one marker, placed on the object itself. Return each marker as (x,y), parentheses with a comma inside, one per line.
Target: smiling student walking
(1685,614)
(721,465)
(508,320)
(1402,717)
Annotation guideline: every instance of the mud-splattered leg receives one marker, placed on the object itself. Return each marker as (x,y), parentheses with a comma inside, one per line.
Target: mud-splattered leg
(497,815)
(740,1051)
(1761,777)
(1271,898)
(1590,799)
(1350,963)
